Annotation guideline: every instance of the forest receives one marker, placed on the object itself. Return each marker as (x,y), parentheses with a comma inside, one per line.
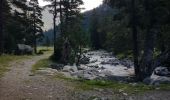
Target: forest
(122,45)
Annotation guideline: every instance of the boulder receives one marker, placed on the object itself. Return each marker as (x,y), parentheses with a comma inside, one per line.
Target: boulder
(24,49)
(156,80)
(84,60)
(162,71)
(70,68)
(159,76)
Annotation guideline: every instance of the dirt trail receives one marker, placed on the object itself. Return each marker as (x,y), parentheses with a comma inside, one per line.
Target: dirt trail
(19,84)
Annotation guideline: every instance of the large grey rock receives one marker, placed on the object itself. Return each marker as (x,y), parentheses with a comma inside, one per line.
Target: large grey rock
(24,49)
(70,68)
(159,76)
(156,80)
(162,71)
(89,74)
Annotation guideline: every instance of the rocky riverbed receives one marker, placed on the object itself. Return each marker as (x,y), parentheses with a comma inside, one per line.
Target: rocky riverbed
(97,65)
(102,65)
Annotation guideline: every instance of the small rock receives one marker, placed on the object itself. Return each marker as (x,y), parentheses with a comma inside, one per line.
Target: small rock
(120,90)
(84,60)
(125,94)
(89,77)
(82,67)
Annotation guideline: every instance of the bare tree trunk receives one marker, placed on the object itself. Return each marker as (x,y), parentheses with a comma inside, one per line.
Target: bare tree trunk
(135,39)
(1,28)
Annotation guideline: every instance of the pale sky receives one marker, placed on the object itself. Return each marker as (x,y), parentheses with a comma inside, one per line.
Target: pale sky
(88,4)
(47,18)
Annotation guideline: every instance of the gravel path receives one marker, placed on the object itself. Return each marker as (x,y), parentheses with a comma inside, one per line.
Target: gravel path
(20,84)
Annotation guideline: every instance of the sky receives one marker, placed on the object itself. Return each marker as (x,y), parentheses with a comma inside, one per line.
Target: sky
(47,18)
(88,4)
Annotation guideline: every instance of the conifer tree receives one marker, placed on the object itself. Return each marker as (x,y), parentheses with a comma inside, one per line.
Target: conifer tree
(36,21)
(53,9)
(1,27)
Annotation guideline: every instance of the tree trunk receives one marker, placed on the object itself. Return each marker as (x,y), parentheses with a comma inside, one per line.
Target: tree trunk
(35,39)
(146,65)
(61,19)
(135,39)
(1,28)
(66,51)
(147,60)
(54,22)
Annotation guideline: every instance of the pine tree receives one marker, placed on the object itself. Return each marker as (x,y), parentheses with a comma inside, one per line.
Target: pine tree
(71,12)
(149,17)
(1,26)
(22,18)
(68,11)
(95,34)
(135,38)
(53,9)
(37,23)
(5,18)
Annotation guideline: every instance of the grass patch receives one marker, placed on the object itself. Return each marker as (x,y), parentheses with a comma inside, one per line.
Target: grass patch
(5,60)
(86,85)
(115,86)
(44,63)
(43,48)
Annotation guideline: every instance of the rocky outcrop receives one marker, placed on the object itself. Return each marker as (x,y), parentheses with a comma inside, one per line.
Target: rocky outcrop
(23,49)
(161,75)
(162,71)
